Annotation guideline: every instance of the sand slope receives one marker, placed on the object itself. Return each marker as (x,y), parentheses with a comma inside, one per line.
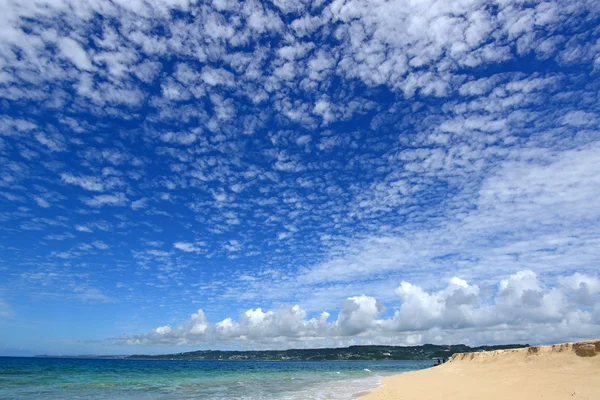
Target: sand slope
(563,371)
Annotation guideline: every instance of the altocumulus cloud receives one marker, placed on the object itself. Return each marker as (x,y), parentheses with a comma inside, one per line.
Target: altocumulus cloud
(439,157)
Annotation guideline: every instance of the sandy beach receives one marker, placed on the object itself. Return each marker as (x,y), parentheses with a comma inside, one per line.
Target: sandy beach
(562,371)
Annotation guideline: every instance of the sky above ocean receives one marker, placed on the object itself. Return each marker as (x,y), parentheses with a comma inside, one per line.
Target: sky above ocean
(181,174)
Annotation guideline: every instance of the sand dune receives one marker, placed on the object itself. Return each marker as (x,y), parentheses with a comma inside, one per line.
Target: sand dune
(562,371)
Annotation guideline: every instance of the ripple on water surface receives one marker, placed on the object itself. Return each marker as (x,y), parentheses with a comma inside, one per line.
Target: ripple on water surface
(37,378)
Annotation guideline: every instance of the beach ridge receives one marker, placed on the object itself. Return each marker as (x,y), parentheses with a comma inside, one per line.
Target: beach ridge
(559,371)
(588,348)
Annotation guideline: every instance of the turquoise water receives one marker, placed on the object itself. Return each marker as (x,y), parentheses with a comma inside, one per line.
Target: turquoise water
(47,378)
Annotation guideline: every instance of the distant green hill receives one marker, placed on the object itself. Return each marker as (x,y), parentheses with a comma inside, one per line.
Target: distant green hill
(424,352)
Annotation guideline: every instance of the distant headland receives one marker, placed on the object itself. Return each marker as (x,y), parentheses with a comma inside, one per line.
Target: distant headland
(352,353)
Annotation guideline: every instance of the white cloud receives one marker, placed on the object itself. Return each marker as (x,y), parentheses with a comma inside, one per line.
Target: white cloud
(91,183)
(163,330)
(117,199)
(357,314)
(217,76)
(544,205)
(75,53)
(41,202)
(584,288)
(54,142)
(60,237)
(100,245)
(91,294)
(387,42)
(139,204)
(521,303)
(188,247)
(291,150)
(580,118)
(451,308)
(184,138)
(91,226)
(158,253)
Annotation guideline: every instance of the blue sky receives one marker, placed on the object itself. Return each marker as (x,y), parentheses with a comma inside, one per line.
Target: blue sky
(180,174)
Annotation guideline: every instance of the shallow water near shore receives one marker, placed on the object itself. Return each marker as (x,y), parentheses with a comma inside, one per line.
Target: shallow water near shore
(48,378)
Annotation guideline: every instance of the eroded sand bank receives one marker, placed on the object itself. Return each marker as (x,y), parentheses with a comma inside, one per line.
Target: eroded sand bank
(563,371)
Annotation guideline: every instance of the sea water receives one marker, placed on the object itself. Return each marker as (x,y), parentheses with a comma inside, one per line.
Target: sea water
(63,378)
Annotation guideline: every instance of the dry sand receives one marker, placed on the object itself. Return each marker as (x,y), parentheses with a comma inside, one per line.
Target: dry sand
(562,371)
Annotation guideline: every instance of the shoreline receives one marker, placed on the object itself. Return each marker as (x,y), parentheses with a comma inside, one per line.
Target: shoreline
(550,372)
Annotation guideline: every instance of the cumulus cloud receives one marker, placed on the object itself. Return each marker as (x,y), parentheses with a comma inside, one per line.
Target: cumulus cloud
(162,330)
(519,303)
(583,288)
(357,314)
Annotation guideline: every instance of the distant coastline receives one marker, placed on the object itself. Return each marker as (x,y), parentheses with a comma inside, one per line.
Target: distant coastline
(351,353)
(83,356)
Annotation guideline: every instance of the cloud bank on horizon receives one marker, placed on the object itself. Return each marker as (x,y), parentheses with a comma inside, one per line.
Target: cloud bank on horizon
(521,306)
(300,172)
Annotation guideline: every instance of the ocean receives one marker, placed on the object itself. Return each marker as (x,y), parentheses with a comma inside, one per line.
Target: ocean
(64,378)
